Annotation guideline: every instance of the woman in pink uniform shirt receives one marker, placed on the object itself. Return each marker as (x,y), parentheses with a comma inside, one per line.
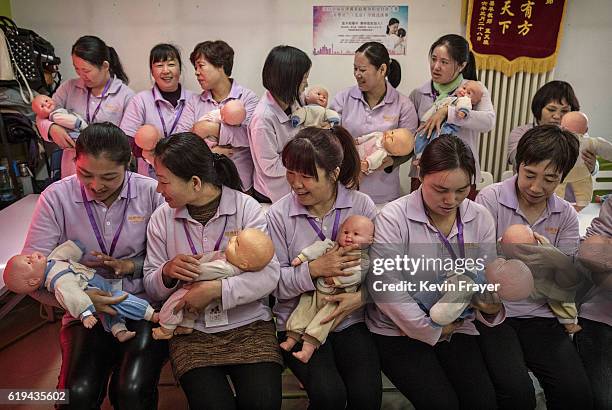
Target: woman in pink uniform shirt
(106,208)
(451,63)
(285,76)
(375,105)
(234,333)
(322,170)
(434,367)
(163,105)
(99,94)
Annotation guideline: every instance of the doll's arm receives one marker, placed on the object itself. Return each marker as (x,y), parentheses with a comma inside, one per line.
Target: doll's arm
(68,120)
(367,137)
(603,148)
(212,116)
(72,297)
(68,250)
(332,117)
(313,251)
(376,159)
(217,269)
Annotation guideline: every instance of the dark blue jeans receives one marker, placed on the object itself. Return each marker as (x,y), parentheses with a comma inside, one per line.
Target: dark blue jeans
(344,372)
(594,344)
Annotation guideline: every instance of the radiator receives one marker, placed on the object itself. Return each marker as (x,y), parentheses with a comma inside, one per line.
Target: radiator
(511,98)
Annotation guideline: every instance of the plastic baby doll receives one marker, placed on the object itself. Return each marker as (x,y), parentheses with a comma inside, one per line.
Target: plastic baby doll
(373,148)
(250,251)
(305,321)
(61,275)
(146,138)
(207,126)
(580,178)
(44,107)
(557,299)
(315,113)
(464,99)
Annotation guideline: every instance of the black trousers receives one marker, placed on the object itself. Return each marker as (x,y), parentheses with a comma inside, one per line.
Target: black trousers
(542,346)
(344,372)
(449,375)
(257,386)
(90,356)
(594,344)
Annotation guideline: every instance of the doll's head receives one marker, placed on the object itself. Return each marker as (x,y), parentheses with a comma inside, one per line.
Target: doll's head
(251,250)
(24,273)
(576,122)
(233,112)
(471,89)
(146,138)
(513,277)
(356,229)
(398,142)
(514,235)
(43,106)
(401,33)
(317,95)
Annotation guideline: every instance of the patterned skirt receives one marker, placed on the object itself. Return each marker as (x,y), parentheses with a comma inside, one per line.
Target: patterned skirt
(252,343)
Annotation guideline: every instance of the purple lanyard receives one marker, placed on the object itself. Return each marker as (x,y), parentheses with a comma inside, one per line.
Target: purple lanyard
(177,115)
(102,97)
(192,245)
(94,225)
(445,241)
(318,230)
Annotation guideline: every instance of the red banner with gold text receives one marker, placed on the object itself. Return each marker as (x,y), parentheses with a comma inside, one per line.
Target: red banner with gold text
(515,35)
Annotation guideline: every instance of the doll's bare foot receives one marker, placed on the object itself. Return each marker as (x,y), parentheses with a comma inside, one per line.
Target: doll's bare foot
(288,344)
(125,335)
(306,353)
(89,321)
(161,333)
(180,330)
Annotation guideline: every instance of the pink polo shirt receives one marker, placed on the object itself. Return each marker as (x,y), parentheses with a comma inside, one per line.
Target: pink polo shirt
(72,95)
(480,120)
(61,215)
(291,232)
(402,228)
(558,223)
(245,296)
(394,111)
(234,135)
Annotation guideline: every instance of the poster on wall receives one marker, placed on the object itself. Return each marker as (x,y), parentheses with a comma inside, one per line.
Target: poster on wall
(340,30)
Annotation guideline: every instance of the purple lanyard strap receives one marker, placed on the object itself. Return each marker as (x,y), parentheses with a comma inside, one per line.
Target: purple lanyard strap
(102,97)
(177,115)
(94,225)
(192,245)
(318,230)
(444,239)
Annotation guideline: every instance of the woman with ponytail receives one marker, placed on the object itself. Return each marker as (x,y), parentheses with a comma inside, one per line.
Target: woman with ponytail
(451,64)
(100,94)
(323,173)
(234,333)
(375,105)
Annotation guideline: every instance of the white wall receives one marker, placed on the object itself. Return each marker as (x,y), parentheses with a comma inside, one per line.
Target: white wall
(253,27)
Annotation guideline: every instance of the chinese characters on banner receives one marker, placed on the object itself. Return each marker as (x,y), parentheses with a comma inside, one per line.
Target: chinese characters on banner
(515,35)
(342,29)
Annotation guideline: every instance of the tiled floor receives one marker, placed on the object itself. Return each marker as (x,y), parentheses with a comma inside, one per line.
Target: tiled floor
(34,362)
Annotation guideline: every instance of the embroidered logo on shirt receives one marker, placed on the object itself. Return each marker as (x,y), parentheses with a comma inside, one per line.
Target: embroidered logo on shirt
(135,219)
(551,230)
(390,118)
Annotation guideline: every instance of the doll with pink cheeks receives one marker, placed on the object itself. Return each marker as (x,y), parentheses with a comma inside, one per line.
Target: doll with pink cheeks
(249,251)
(373,148)
(315,113)
(45,107)
(146,138)
(580,178)
(207,126)
(67,279)
(304,324)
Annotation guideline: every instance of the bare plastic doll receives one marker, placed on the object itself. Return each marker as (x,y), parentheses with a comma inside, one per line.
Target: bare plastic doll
(230,113)
(45,107)
(304,323)
(464,99)
(580,178)
(249,251)
(146,138)
(315,113)
(62,275)
(374,147)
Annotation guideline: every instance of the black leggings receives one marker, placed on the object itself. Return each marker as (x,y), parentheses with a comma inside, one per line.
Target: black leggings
(449,375)
(541,345)
(344,372)
(257,386)
(89,356)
